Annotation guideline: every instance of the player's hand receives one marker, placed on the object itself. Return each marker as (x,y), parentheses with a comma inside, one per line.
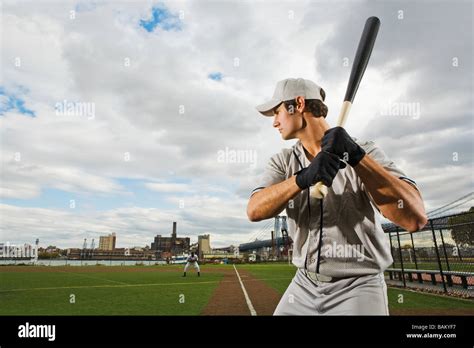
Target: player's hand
(323,168)
(337,141)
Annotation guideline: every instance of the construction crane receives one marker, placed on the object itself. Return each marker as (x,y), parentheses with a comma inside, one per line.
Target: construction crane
(84,249)
(280,235)
(92,248)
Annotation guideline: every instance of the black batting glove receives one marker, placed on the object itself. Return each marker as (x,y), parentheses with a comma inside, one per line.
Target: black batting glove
(338,142)
(323,168)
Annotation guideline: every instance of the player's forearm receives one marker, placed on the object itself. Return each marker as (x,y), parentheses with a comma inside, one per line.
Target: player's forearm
(270,201)
(397,200)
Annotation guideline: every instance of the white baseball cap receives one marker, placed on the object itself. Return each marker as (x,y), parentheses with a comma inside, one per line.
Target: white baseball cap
(289,89)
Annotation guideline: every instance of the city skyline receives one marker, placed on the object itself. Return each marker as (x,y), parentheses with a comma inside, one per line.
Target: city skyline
(96,241)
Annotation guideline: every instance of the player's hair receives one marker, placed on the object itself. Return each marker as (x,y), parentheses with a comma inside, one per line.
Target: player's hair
(315,106)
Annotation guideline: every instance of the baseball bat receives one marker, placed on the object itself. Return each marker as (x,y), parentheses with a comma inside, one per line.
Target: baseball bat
(366,43)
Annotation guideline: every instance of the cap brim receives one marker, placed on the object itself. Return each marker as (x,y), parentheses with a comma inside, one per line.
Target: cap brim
(266,109)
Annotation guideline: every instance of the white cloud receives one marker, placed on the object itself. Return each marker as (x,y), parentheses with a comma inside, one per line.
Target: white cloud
(162,187)
(25,181)
(139,133)
(19,190)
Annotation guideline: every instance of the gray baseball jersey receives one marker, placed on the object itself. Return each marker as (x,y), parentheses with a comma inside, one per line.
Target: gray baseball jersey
(353,241)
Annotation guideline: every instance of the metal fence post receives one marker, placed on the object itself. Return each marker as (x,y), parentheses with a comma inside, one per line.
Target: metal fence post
(437,255)
(401,259)
(444,249)
(414,253)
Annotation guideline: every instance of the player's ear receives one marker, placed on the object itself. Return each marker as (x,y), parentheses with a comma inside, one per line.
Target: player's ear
(300,104)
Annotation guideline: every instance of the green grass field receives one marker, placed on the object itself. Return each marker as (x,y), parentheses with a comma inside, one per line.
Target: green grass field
(153,290)
(453,266)
(106,293)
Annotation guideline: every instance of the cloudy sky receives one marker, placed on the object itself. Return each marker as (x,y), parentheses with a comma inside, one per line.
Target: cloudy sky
(124,116)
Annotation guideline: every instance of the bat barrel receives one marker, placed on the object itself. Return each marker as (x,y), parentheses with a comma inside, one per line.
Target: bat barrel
(362,56)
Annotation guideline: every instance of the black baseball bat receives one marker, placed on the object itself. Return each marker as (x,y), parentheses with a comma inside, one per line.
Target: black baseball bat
(364,50)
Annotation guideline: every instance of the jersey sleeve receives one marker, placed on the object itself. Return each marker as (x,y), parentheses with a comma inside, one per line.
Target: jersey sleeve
(274,173)
(378,155)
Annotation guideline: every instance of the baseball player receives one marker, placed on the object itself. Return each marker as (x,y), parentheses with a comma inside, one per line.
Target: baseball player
(339,246)
(192,261)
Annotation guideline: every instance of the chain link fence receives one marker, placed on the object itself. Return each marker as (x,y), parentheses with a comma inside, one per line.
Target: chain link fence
(440,257)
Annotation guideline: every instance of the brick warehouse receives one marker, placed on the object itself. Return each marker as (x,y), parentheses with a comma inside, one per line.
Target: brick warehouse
(170,246)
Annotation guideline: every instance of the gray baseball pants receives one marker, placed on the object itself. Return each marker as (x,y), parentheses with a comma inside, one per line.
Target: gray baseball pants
(362,295)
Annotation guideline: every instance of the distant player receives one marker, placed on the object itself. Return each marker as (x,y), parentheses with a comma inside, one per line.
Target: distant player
(192,261)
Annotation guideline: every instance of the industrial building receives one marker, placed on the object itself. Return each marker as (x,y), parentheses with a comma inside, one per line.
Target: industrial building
(116,254)
(204,245)
(107,242)
(165,247)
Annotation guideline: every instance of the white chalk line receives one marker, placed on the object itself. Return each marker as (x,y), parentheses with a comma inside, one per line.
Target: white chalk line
(247,298)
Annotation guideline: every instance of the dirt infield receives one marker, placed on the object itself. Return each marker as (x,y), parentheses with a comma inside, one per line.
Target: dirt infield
(264,298)
(228,298)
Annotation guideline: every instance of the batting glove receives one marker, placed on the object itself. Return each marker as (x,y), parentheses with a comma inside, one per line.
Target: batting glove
(338,142)
(323,168)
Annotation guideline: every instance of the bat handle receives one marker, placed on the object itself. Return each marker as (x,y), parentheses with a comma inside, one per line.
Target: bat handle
(319,190)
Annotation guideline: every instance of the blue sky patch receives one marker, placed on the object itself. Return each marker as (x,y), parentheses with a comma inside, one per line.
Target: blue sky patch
(9,102)
(216,76)
(52,198)
(85,6)
(161,17)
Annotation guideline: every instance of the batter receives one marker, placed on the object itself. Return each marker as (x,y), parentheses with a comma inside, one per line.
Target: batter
(339,246)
